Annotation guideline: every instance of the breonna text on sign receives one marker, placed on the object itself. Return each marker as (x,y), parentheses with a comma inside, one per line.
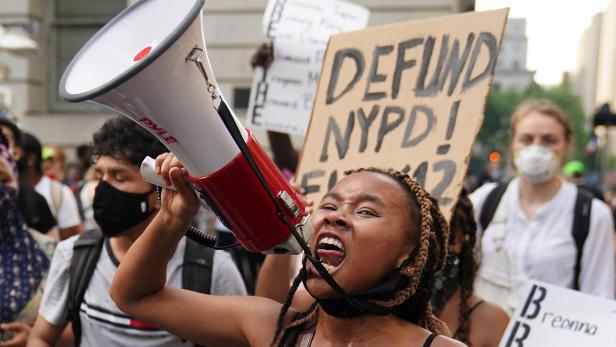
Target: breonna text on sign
(407,96)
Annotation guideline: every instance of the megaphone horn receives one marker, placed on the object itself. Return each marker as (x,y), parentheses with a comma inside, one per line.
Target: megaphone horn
(145,70)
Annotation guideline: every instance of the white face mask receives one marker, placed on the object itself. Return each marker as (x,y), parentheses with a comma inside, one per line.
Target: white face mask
(537,164)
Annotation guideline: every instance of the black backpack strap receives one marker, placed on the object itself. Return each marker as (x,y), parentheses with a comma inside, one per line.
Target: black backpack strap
(580,229)
(86,251)
(197,267)
(490,204)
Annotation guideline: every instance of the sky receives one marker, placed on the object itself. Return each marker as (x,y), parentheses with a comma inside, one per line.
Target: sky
(553,28)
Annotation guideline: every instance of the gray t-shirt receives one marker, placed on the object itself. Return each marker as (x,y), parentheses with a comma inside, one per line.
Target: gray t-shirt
(103,324)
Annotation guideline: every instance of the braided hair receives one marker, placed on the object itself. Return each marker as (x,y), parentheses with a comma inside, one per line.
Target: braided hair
(412,303)
(463,222)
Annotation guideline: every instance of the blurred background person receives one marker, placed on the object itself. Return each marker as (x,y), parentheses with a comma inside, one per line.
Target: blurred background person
(54,162)
(527,227)
(575,172)
(124,204)
(470,319)
(32,205)
(24,259)
(59,197)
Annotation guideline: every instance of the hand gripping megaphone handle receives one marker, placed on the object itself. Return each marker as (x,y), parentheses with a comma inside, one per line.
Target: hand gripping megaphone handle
(148,172)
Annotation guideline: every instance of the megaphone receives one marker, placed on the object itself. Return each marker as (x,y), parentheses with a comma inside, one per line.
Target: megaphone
(150,64)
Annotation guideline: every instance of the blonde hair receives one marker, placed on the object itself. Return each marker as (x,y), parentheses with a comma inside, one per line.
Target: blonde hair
(544,107)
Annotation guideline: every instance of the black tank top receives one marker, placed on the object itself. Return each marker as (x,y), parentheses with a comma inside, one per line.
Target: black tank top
(305,339)
(469,312)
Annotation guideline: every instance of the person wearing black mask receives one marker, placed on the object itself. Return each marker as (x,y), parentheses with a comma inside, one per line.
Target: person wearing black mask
(124,204)
(32,205)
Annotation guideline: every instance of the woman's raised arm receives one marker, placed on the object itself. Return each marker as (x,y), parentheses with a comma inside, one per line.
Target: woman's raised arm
(139,287)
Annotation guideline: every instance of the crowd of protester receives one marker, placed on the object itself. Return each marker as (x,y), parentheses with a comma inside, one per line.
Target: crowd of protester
(91,254)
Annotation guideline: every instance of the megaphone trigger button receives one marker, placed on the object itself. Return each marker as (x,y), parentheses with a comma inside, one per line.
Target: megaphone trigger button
(289,203)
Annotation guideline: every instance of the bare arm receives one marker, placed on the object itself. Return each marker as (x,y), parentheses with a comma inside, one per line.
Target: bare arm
(488,325)
(44,334)
(65,233)
(238,320)
(274,278)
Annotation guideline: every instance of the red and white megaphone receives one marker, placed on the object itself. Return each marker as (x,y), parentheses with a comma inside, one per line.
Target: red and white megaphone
(150,64)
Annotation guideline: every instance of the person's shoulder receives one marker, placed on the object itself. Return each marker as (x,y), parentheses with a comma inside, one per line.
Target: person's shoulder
(444,341)
(601,208)
(222,258)
(489,322)
(479,196)
(65,247)
(66,190)
(45,180)
(482,192)
(420,336)
(487,312)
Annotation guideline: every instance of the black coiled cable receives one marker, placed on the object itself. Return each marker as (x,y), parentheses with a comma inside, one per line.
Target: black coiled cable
(197,235)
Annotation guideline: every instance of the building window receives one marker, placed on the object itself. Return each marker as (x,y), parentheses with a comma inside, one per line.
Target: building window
(73,23)
(240,98)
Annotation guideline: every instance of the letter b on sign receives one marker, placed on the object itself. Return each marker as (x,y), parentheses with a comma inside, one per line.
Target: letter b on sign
(519,333)
(532,307)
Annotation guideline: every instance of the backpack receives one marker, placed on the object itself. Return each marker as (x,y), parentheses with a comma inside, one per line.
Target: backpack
(579,229)
(196,271)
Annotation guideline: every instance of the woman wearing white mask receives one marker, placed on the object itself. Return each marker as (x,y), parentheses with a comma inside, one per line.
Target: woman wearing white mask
(527,226)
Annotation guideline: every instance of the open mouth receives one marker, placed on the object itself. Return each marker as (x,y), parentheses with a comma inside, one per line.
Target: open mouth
(330,251)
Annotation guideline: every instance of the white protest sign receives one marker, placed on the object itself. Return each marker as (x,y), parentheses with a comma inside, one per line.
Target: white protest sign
(554,316)
(311,21)
(281,97)
(408,96)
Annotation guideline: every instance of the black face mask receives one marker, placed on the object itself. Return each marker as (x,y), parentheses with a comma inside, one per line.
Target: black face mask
(116,211)
(446,283)
(386,289)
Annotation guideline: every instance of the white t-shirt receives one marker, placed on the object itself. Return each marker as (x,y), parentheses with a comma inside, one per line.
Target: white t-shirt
(543,247)
(102,323)
(67,214)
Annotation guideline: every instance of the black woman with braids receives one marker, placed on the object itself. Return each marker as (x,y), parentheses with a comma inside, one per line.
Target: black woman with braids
(470,319)
(380,235)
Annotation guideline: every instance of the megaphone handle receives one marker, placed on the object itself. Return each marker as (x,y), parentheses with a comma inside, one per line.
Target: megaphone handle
(200,237)
(227,118)
(148,172)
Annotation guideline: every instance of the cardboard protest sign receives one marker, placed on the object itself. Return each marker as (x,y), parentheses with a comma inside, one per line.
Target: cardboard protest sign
(555,316)
(408,96)
(282,96)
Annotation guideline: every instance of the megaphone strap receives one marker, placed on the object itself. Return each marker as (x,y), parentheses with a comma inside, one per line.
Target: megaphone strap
(195,234)
(227,119)
(194,56)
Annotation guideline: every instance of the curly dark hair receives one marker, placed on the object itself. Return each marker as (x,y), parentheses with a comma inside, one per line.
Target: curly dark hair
(124,140)
(412,303)
(31,145)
